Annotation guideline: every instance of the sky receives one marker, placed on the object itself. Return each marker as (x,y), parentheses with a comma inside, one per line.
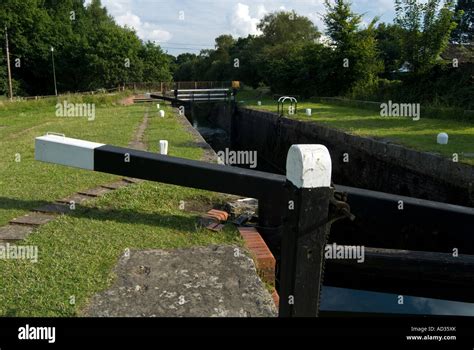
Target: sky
(191,25)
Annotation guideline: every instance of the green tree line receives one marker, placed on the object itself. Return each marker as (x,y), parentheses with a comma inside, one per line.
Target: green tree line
(90,50)
(373,61)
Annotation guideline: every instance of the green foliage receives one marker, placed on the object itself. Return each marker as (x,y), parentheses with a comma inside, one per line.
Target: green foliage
(156,65)
(427,27)
(465,30)
(342,24)
(3,76)
(359,62)
(287,27)
(389,46)
(272,58)
(247,51)
(355,54)
(90,50)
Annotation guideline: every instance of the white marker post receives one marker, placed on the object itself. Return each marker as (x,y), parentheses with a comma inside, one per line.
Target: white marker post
(308,173)
(158,106)
(442,138)
(308,112)
(164,147)
(162,113)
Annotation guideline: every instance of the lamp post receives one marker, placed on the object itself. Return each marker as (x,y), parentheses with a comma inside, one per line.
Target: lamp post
(54,72)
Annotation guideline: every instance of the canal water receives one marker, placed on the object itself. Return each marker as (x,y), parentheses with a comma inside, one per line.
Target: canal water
(334,299)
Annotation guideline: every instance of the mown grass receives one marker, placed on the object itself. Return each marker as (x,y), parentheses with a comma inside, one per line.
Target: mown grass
(77,252)
(27,183)
(420,135)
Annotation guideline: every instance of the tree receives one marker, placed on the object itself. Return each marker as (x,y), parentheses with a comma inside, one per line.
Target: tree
(91,51)
(426,30)
(3,75)
(389,46)
(287,27)
(221,65)
(465,31)
(247,50)
(156,64)
(355,61)
(342,24)
(278,53)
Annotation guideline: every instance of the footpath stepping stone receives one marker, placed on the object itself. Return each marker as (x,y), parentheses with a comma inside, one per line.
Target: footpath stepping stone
(15,232)
(76,198)
(116,185)
(132,180)
(56,208)
(96,192)
(137,145)
(33,219)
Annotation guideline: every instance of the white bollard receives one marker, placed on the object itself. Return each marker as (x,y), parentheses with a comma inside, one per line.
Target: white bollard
(162,114)
(157,106)
(164,147)
(259,103)
(309,166)
(443,138)
(308,112)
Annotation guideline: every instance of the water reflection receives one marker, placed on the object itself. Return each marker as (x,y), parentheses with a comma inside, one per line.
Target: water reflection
(351,300)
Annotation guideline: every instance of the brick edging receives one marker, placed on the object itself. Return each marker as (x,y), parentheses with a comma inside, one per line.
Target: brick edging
(263,257)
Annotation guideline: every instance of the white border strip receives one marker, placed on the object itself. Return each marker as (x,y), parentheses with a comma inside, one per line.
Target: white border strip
(66,151)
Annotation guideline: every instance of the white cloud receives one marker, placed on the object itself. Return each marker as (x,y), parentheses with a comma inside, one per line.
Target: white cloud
(242,23)
(261,11)
(118,7)
(206,19)
(129,20)
(121,10)
(153,33)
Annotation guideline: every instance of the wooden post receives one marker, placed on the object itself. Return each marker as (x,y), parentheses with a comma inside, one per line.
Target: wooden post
(308,173)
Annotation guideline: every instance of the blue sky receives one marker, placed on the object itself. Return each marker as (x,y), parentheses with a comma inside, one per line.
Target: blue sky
(190,25)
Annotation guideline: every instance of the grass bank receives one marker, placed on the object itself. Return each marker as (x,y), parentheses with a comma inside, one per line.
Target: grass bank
(420,135)
(77,252)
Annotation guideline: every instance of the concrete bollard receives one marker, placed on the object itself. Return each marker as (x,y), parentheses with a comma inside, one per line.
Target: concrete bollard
(308,112)
(259,103)
(157,106)
(443,138)
(164,147)
(162,113)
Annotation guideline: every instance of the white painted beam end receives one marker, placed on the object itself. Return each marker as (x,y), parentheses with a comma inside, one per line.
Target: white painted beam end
(66,151)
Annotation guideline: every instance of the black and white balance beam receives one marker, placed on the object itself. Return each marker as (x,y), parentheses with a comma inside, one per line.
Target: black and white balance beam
(306,186)
(156,167)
